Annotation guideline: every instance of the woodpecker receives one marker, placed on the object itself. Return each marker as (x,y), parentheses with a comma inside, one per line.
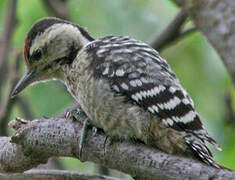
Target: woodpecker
(123,85)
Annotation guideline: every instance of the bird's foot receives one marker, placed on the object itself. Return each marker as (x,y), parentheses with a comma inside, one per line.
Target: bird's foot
(86,123)
(94,130)
(75,114)
(82,138)
(79,115)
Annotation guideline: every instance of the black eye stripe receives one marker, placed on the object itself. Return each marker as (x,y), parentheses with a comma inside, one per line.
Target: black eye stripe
(36,55)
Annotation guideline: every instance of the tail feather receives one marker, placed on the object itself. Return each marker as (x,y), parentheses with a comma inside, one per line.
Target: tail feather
(201,150)
(185,143)
(214,143)
(204,136)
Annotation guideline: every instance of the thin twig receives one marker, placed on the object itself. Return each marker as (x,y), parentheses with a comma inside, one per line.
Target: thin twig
(230,114)
(56,8)
(171,33)
(186,33)
(5,40)
(10,24)
(6,106)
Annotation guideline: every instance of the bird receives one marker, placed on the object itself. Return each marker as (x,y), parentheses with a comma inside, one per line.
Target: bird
(123,85)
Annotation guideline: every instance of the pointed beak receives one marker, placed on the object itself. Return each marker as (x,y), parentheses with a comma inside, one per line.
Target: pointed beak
(25,81)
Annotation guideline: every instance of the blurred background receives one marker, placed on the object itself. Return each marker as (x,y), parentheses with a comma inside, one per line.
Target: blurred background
(196,64)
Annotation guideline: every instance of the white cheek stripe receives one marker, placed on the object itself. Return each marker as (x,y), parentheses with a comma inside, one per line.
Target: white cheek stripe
(53,32)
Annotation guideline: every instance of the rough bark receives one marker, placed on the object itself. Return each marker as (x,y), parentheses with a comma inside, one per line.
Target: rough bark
(216,20)
(35,141)
(54,174)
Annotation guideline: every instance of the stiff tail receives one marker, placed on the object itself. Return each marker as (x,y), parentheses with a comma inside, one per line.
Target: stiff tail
(201,151)
(187,144)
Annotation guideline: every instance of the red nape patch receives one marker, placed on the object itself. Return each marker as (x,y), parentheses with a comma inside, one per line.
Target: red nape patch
(26,48)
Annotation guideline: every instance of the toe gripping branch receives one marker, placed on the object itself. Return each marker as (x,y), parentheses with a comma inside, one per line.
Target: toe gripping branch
(78,115)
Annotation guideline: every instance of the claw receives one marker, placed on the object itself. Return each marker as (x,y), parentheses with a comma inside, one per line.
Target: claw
(79,115)
(67,115)
(83,134)
(94,130)
(105,142)
(72,114)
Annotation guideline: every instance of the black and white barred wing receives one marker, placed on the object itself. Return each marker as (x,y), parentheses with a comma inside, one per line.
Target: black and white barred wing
(136,71)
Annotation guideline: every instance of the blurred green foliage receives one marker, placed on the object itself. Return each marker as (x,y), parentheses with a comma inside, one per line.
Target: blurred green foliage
(197,65)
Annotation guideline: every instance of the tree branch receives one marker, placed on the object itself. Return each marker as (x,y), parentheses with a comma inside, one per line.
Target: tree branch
(5,40)
(7,105)
(171,33)
(56,8)
(54,174)
(216,20)
(35,141)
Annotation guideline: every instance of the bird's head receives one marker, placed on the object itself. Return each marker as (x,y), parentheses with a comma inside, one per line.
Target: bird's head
(50,44)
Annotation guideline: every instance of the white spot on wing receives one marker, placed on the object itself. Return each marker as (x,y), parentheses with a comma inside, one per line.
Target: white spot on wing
(185,101)
(172,89)
(143,93)
(138,82)
(171,104)
(154,91)
(139,96)
(155,108)
(133,83)
(158,89)
(134,97)
(106,71)
(111,75)
(120,72)
(116,88)
(124,86)
(189,117)
(144,80)
(169,121)
(151,109)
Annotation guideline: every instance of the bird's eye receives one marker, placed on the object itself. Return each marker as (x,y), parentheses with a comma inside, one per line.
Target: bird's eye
(36,55)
